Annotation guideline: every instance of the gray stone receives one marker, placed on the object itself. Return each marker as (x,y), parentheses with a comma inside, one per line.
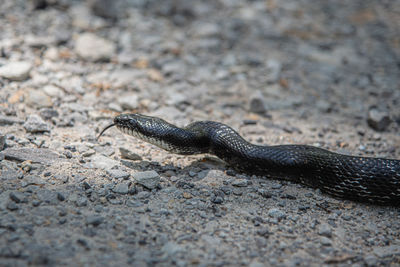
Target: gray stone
(149,179)
(128,102)
(16,71)
(118,174)
(102,162)
(48,113)
(35,124)
(257,103)
(143,195)
(325,230)
(240,183)
(53,91)
(378,120)
(105,8)
(325,241)
(32,180)
(274,68)
(94,220)
(2,143)
(276,213)
(388,251)
(93,48)
(122,188)
(371,261)
(47,196)
(12,206)
(81,201)
(18,197)
(7,120)
(127,154)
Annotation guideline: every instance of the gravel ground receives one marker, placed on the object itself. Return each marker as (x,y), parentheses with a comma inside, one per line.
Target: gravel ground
(323,73)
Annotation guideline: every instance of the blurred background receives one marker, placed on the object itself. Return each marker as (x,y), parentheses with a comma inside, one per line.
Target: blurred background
(291,65)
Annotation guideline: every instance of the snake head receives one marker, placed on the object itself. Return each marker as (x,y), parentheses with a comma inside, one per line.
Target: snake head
(141,126)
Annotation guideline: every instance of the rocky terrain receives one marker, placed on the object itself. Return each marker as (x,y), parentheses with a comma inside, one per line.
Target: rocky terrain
(322,73)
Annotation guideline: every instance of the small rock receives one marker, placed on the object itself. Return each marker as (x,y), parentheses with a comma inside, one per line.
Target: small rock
(51,53)
(37,98)
(388,251)
(148,179)
(16,71)
(217,199)
(240,183)
(257,103)
(325,230)
(118,174)
(7,120)
(371,260)
(143,195)
(102,162)
(378,120)
(32,180)
(274,68)
(93,48)
(18,197)
(127,154)
(122,188)
(47,196)
(94,220)
(128,102)
(105,8)
(325,241)
(81,201)
(12,206)
(48,113)
(35,124)
(2,142)
(53,91)
(276,213)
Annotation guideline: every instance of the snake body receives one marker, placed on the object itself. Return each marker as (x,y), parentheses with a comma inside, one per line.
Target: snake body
(365,179)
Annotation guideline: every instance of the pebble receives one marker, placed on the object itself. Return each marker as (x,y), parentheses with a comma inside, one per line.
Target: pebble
(53,91)
(143,195)
(257,103)
(148,179)
(18,197)
(325,241)
(387,251)
(48,113)
(16,71)
(35,124)
(8,120)
(47,196)
(105,8)
(325,230)
(378,120)
(94,220)
(127,154)
(240,182)
(81,201)
(128,102)
(2,143)
(93,48)
(12,206)
(276,213)
(36,155)
(122,188)
(118,174)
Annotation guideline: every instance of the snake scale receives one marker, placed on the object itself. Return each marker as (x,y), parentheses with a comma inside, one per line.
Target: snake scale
(365,179)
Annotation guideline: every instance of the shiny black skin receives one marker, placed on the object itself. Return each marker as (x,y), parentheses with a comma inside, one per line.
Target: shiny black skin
(365,179)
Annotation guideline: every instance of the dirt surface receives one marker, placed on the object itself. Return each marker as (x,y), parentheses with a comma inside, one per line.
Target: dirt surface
(322,73)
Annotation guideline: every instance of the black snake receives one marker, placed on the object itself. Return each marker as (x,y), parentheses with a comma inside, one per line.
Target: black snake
(365,179)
